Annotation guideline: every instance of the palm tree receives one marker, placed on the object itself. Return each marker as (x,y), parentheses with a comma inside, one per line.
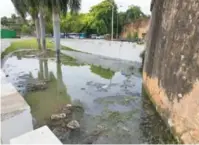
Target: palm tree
(20,7)
(41,4)
(33,10)
(57,7)
(24,7)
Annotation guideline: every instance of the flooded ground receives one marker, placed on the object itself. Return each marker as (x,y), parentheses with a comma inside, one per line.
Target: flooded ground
(106,95)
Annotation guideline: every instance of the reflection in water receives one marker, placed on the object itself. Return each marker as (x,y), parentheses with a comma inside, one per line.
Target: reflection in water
(41,71)
(45,103)
(152,125)
(114,110)
(104,73)
(46,69)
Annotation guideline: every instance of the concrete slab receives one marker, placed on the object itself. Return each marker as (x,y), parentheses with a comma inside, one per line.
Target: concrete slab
(16,125)
(42,135)
(16,118)
(11,100)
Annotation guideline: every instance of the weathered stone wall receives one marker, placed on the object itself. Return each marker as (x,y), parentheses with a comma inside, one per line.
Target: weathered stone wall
(171,67)
(140,26)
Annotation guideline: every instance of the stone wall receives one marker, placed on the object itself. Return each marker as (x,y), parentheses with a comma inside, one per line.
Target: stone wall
(171,67)
(140,26)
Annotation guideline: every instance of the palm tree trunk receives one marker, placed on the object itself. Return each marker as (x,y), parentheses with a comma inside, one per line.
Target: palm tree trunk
(43,31)
(56,31)
(38,35)
(46,69)
(41,70)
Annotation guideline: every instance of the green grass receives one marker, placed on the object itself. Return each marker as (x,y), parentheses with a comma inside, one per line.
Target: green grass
(104,73)
(28,44)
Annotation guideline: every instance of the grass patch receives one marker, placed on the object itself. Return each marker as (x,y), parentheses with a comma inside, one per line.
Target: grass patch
(67,48)
(104,73)
(29,44)
(67,60)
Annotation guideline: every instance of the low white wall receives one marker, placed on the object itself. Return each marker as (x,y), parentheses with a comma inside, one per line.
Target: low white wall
(43,135)
(16,118)
(113,49)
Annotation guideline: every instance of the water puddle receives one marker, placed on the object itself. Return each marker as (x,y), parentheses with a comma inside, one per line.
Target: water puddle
(106,96)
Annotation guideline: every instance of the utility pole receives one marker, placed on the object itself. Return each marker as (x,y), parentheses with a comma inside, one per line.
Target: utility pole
(117,27)
(112,22)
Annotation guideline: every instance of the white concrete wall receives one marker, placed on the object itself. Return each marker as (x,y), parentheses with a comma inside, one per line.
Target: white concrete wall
(17,125)
(114,49)
(16,118)
(42,135)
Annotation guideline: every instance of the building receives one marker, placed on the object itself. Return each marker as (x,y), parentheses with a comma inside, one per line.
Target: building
(139,27)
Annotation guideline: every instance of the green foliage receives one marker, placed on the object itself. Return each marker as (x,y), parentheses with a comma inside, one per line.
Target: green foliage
(26,29)
(104,73)
(102,17)
(62,6)
(23,44)
(99,19)
(73,23)
(132,37)
(129,36)
(135,36)
(14,23)
(133,13)
(54,96)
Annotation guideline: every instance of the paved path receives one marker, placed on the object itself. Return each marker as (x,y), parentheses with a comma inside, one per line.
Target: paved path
(5,43)
(119,50)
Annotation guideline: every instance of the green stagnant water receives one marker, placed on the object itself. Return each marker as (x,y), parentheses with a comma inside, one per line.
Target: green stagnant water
(113,107)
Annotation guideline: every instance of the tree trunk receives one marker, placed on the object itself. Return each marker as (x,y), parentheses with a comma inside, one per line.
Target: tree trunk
(46,69)
(38,34)
(43,31)
(56,32)
(41,70)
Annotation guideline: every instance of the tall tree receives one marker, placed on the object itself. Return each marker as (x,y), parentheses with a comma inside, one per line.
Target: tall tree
(102,16)
(41,11)
(33,10)
(24,7)
(57,7)
(133,13)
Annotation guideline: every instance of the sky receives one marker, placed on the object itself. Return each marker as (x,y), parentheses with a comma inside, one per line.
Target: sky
(6,7)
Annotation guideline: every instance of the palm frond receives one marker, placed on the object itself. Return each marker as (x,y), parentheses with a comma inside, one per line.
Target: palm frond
(20,7)
(74,5)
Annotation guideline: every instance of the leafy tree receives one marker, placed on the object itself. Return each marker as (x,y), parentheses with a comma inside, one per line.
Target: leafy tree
(73,22)
(25,29)
(14,17)
(129,36)
(13,24)
(121,21)
(133,13)
(101,15)
(4,21)
(24,7)
(135,35)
